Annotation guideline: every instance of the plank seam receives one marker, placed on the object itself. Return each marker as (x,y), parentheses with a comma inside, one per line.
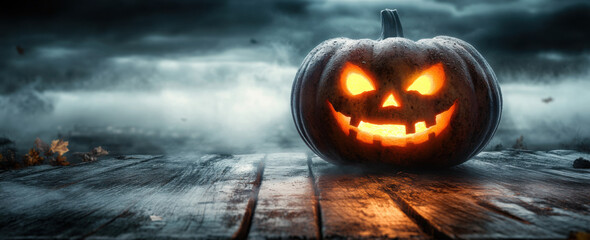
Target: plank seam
(315,199)
(500,211)
(425,225)
(246,224)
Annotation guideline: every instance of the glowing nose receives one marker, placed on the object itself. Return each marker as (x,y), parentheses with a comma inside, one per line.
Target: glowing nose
(390,101)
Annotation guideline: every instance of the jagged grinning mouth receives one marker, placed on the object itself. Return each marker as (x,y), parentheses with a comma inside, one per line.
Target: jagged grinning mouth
(393,134)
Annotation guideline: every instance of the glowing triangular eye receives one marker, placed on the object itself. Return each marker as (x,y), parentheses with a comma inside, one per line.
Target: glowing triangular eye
(355,80)
(430,81)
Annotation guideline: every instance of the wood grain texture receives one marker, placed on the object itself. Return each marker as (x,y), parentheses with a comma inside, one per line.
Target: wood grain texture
(541,187)
(354,206)
(194,196)
(64,202)
(285,202)
(510,194)
(45,170)
(207,198)
(496,195)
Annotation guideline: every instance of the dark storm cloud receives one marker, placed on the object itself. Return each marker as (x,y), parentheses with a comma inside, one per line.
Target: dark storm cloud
(563,30)
(515,36)
(123,20)
(546,41)
(206,69)
(122,25)
(67,41)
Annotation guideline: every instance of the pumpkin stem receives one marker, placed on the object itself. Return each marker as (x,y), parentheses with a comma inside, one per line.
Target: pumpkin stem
(390,24)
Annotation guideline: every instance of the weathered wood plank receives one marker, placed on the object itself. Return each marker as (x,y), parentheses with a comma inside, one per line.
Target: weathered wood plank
(45,169)
(91,206)
(509,194)
(16,173)
(496,195)
(208,198)
(47,206)
(542,188)
(355,206)
(285,206)
(557,162)
(60,176)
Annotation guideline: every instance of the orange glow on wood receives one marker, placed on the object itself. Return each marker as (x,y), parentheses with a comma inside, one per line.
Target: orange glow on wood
(430,81)
(355,80)
(394,134)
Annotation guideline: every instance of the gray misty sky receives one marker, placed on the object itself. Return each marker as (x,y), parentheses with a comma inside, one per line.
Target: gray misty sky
(216,75)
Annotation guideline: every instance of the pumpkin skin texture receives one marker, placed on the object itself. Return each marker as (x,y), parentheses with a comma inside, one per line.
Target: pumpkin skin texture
(361,101)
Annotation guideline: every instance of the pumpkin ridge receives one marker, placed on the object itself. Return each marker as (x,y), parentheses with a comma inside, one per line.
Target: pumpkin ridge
(495,96)
(390,65)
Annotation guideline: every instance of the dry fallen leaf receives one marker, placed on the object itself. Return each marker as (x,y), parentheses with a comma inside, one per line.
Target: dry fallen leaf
(59,161)
(20,50)
(579,236)
(42,146)
(8,160)
(32,158)
(547,100)
(94,154)
(59,146)
(99,151)
(519,143)
(87,157)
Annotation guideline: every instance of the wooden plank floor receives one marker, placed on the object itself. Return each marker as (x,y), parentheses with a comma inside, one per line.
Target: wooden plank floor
(497,195)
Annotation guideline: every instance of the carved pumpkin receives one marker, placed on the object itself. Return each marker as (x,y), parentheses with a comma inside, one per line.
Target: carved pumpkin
(430,103)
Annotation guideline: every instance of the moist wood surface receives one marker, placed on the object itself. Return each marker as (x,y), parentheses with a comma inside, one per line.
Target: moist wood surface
(285,206)
(511,194)
(353,205)
(506,195)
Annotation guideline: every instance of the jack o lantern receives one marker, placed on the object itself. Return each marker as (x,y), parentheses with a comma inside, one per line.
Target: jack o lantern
(424,104)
